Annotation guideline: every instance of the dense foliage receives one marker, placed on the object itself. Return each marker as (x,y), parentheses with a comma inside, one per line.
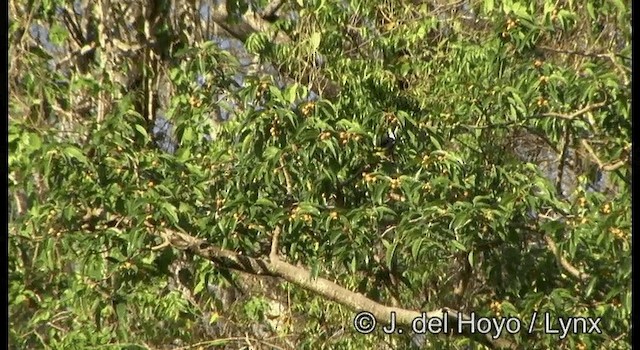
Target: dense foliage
(506,191)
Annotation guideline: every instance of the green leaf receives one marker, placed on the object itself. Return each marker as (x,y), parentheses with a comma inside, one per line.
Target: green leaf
(332,147)
(488,6)
(590,287)
(622,7)
(58,34)
(246,144)
(350,125)
(481,201)
(121,311)
(435,142)
(456,244)
(378,192)
(459,220)
(19,299)
(508,308)
(415,246)
(75,153)
(381,210)
(183,154)
(271,152)
(35,142)
(391,251)
(142,131)
(353,266)
(309,208)
(184,208)
(290,93)
(199,286)
(266,202)
(187,135)
(276,93)
(590,10)
(171,211)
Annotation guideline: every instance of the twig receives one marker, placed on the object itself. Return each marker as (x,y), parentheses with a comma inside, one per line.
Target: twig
(444,7)
(615,166)
(601,165)
(162,245)
(53,325)
(569,117)
(577,113)
(273,255)
(287,177)
(561,161)
(389,229)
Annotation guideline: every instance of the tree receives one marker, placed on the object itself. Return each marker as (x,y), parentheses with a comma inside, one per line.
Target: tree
(212,174)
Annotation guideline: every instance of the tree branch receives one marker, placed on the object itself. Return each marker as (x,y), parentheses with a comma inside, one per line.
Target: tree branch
(553,248)
(601,165)
(330,290)
(577,113)
(569,117)
(562,160)
(287,177)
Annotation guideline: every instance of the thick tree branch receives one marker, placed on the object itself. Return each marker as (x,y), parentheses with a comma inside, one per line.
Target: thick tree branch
(302,277)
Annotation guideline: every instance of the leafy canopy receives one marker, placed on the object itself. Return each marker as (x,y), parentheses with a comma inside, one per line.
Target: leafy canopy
(506,192)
